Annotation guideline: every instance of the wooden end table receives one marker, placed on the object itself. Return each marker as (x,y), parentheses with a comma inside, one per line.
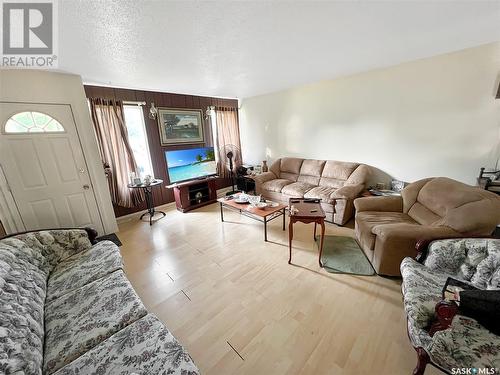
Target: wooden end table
(264,215)
(307,211)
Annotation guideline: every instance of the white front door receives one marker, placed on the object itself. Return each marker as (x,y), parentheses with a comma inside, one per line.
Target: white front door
(42,159)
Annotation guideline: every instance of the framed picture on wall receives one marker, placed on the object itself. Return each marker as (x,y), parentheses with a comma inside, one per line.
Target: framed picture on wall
(180,125)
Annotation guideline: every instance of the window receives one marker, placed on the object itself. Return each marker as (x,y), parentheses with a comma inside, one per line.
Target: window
(32,122)
(134,120)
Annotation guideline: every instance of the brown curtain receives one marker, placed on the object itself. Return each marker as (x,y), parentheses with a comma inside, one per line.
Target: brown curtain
(114,147)
(228,139)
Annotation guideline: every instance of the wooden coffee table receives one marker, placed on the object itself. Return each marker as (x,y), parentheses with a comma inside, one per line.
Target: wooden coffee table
(307,212)
(264,215)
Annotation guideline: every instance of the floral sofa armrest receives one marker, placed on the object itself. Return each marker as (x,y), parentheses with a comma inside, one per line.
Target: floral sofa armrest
(261,178)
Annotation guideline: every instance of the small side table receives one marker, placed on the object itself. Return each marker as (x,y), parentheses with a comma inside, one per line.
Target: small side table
(148,193)
(304,215)
(380,193)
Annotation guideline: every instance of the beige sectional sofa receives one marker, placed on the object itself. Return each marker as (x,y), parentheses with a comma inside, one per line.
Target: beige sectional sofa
(336,183)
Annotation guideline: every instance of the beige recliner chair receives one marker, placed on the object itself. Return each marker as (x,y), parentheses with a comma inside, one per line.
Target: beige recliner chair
(388,228)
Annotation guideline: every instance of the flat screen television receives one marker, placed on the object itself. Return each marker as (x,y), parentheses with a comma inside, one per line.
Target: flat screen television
(188,164)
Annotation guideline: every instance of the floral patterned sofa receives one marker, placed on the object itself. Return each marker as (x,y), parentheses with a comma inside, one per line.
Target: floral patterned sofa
(68,308)
(437,331)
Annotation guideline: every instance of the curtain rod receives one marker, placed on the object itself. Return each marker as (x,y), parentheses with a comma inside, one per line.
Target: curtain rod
(130,102)
(222,108)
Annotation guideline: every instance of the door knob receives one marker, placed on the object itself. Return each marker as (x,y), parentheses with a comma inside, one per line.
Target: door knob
(86,187)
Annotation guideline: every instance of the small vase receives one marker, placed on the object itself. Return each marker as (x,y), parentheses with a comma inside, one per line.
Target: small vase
(264,166)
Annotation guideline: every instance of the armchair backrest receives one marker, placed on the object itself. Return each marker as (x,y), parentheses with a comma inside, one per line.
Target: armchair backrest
(442,201)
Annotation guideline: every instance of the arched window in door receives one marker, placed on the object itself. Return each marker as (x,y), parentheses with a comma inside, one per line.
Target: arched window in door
(32,122)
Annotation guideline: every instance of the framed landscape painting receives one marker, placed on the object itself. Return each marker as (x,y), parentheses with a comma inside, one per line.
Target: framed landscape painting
(180,125)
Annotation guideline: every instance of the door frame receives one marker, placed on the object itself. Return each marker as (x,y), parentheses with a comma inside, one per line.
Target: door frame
(9,214)
(11,217)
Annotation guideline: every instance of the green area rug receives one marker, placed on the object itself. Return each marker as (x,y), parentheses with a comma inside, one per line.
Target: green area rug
(343,255)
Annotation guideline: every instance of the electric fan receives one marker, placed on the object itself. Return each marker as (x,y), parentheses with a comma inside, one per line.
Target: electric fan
(232,160)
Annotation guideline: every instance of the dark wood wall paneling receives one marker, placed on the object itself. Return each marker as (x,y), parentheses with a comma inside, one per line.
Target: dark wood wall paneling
(162,195)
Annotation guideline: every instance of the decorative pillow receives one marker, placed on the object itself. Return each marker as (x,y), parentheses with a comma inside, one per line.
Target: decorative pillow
(446,256)
(477,251)
(485,270)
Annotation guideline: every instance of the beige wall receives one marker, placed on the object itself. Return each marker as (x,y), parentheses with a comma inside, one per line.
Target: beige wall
(431,117)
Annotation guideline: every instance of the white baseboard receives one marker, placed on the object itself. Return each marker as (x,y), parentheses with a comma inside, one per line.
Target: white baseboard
(135,216)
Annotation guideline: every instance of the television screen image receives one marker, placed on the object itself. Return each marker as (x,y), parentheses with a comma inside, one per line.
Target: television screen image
(191,163)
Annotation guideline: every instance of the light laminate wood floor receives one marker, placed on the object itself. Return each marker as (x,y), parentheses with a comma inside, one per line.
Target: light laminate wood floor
(234,302)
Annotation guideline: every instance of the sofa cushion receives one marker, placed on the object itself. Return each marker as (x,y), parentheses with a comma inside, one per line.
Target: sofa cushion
(312,180)
(34,255)
(83,268)
(446,256)
(466,209)
(297,189)
(145,346)
(275,185)
(466,342)
(472,259)
(22,295)
(487,275)
(57,245)
(367,220)
(310,171)
(442,194)
(335,173)
(338,169)
(331,182)
(290,168)
(422,214)
(312,167)
(322,192)
(360,175)
(83,318)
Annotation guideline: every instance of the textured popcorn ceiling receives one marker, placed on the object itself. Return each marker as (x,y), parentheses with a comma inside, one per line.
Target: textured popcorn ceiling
(241,49)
